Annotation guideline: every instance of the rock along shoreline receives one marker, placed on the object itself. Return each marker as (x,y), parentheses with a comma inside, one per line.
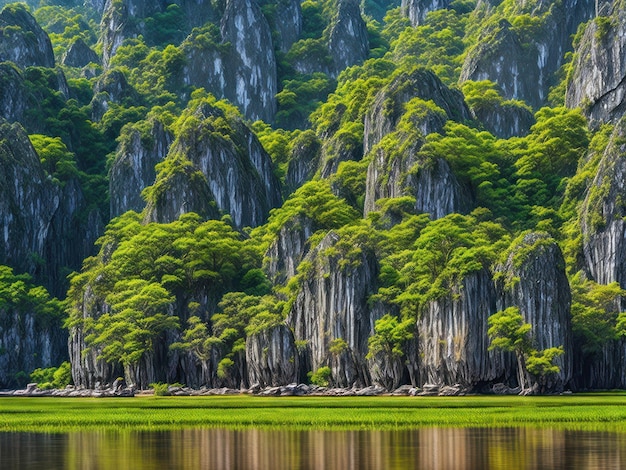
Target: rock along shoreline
(119,390)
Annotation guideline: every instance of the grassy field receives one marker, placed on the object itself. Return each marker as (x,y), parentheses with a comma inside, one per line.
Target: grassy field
(594,412)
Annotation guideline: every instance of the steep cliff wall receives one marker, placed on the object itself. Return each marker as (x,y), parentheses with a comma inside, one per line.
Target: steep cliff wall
(452,336)
(250,65)
(28,201)
(23,41)
(389,105)
(331,314)
(523,60)
(227,165)
(291,245)
(13,94)
(348,40)
(271,357)
(134,166)
(602,215)
(534,280)
(416,10)
(28,341)
(598,83)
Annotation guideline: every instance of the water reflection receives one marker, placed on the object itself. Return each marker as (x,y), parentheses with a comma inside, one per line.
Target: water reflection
(432,449)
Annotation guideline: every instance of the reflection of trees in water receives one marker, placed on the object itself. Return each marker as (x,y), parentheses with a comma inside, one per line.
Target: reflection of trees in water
(429,448)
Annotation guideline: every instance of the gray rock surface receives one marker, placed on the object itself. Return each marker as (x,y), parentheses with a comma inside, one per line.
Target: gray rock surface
(598,83)
(330,308)
(23,41)
(416,10)
(538,286)
(271,357)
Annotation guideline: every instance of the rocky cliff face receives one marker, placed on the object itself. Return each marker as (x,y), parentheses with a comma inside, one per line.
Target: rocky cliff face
(433,185)
(39,220)
(348,43)
(291,245)
(331,313)
(288,23)
(28,201)
(250,66)
(234,169)
(23,41)
(239,64)
(272,357)
(134,167)
(538,286)
(505,120)
(304,160)
(13,94)
(389,105)
(452,336)
(79,54)
(122,20)
(111,87)
(28,341)
(598,83)
(602,220)
(395,169)
(416,10)
(523,62)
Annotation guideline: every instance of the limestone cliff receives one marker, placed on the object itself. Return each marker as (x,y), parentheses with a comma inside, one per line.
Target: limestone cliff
(13,93)
(79,54)
(288,23)
(233,168)
(330,312)
(389,105)
(23,41)
(304,160)
(28,201)
(602,217)
(111,87)
(452,336)
(416,10)
(523,61)
(505,120)
(348,40)
(598,82)
(28,341)
(272,357)
(250,65)
(122,20)
(434,186)
(534,280)
(288,249)
(134,166)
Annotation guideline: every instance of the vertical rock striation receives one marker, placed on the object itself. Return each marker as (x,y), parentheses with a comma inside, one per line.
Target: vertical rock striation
(535,282)
(598,83)
(348,42)
(331,314)
(23,41)
(134,166)
(249,66)
(603,212)
(416,10)
(272,357)
(452,335)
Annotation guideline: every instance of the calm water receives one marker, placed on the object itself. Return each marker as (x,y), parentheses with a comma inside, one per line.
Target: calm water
(432,449)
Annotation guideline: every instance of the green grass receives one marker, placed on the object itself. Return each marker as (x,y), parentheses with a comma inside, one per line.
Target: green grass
(593,412)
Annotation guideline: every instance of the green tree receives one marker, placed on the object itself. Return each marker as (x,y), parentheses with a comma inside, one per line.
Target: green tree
(509,332)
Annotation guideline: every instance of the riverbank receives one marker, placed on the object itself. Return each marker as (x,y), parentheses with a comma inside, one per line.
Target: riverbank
(593,412)
(119,390)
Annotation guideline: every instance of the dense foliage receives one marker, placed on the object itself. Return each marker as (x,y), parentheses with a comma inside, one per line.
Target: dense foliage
(200,287)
